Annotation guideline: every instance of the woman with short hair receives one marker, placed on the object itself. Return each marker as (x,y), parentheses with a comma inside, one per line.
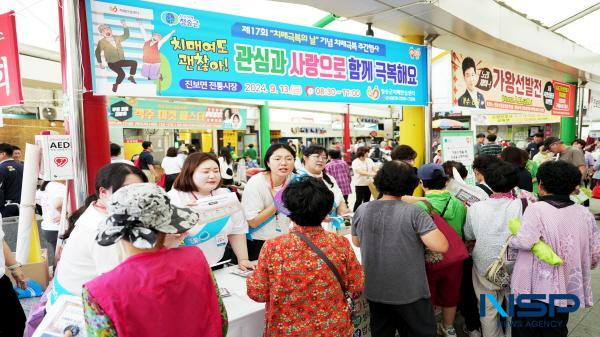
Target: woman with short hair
(171,165)
(303,295)
(393,235)
(571,230)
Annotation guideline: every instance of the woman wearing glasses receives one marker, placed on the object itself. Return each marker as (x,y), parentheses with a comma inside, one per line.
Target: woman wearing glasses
(264,220)
(315,158)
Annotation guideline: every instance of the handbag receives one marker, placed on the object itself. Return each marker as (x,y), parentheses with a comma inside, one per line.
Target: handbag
(596,191)
(162,181)
(457,252)
(349,301)
(497,273)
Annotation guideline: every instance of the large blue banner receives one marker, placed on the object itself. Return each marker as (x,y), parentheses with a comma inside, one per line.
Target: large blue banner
(148,50)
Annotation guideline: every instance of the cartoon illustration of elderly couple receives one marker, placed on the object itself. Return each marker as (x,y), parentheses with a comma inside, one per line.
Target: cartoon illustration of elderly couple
(112,47)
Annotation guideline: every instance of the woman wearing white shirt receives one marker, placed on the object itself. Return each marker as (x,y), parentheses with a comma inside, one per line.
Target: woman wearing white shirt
(82,259)
(50,197)
(364,171)
(264,219)
(200,178)
(226,165)
(315,158)
(172,166)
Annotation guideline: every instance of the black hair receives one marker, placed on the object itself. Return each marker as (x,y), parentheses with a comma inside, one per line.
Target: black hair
(335,154)
(580,142)
(491,137)
(308,200)
(111,176)
(437,182)
(480,135)
(172,152)
(250,145)
(403,152)
(226,155)
(514,156)
(482,162)
(559,177)
(225,113)
(146,144)
(396,178)
(501,176)
(468,63)
(15,148)
(539,135)
(462,170)
(115,150)
(272,149)
(317,149)
(6,148)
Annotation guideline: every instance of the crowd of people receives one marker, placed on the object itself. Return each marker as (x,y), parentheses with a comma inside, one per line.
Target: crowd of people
(134,237)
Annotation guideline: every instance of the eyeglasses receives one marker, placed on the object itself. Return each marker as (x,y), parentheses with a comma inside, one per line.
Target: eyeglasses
(317,157)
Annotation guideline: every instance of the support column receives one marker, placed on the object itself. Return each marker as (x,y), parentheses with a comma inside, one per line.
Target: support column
(412,126)
(347,150)
(568,125)
(88,121)
(265,130)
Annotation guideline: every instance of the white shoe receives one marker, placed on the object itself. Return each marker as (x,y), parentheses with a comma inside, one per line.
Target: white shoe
(446,332)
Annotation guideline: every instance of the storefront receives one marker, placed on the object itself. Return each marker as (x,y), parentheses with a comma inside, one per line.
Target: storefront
(169,124)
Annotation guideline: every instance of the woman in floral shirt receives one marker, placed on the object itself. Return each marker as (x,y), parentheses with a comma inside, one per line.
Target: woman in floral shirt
(303,296)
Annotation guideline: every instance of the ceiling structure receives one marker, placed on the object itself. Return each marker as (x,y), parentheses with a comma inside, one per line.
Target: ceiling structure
(547,32)
(490,24)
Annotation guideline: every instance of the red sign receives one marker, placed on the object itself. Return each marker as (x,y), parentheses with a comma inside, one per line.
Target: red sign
(10,76)
(564,99)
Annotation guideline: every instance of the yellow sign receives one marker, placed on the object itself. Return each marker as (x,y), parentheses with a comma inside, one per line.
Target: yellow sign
(516,119)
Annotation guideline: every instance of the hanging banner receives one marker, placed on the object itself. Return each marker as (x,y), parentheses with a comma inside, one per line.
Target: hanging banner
(148,49)
(511,119)
(593,110)
(564,99)
(10,75)
(477,84)
(140,114)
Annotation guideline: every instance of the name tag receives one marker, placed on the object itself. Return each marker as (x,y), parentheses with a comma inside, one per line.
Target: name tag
(221,240)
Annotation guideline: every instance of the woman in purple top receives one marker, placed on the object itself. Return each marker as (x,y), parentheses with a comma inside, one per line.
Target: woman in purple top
(340,171)
(570,229)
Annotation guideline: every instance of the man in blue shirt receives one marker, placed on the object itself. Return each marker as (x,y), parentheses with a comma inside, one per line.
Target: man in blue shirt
(11,178)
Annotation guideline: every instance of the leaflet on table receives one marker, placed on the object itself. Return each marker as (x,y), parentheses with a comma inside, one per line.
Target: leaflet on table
(66,314)
(217,207)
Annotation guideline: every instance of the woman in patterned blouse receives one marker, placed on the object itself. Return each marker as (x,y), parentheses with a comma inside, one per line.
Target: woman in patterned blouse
(303,296)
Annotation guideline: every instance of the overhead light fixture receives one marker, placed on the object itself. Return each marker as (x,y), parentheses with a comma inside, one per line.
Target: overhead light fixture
(370,31)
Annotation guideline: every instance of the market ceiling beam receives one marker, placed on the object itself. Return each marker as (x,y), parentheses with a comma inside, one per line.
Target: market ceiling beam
(575,17)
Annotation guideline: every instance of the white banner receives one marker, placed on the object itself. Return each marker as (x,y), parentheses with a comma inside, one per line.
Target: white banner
(593,111)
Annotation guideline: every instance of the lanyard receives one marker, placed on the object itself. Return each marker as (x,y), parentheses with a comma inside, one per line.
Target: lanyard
(195,197)
(272,192)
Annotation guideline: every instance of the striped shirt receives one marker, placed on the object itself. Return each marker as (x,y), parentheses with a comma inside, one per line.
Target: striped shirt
(491,149)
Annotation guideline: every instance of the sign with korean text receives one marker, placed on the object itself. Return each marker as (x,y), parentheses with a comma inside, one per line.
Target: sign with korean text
(459,146)
(142,113)
(147,49)
(10,75)
(593,110)
(514,118)
(57,157)
(564,99)
(477,84)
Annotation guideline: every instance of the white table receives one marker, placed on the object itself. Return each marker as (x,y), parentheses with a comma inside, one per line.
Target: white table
(246,317)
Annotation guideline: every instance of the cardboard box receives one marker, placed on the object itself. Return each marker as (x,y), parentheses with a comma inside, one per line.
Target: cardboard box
(38,272)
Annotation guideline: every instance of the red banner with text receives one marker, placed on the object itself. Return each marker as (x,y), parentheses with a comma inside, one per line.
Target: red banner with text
(10,76)
(564,99)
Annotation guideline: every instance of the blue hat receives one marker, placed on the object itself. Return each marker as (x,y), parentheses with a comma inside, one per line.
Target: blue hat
(425,172)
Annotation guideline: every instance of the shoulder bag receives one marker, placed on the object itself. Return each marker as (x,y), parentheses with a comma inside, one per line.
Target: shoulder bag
(319,252)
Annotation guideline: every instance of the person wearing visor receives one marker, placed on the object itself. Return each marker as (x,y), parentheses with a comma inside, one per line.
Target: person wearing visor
(566,153)
(156,291)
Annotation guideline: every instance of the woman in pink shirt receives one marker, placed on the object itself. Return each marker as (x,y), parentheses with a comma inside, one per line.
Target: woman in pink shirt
(570,229)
